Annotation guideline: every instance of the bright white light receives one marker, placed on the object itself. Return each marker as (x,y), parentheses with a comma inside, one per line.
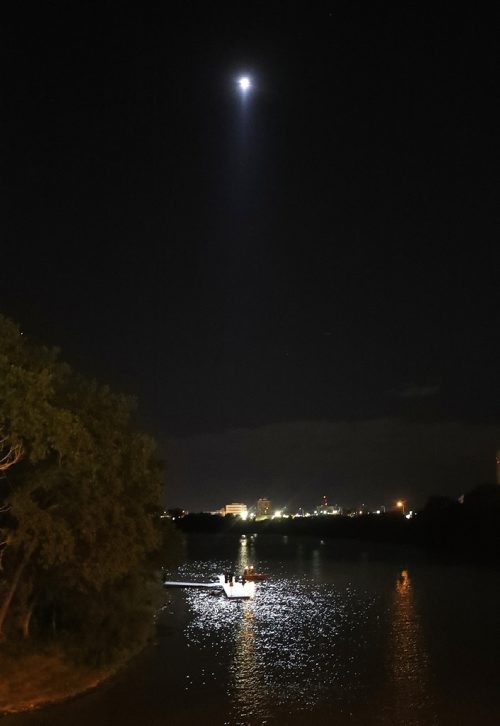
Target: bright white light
(243,515)
(244,83)
(277,514)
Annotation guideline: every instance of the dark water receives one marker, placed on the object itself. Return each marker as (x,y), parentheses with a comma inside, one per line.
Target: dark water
(341,633)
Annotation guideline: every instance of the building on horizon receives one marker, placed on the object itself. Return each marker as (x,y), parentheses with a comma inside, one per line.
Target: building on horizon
(236,508)
(329,509)
(325,508)
(263,508)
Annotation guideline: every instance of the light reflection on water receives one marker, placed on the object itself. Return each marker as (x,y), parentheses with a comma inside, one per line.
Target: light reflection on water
(299,643)
(341,633)
(408,655)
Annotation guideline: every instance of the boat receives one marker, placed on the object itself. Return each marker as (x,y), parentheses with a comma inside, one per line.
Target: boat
(250,575)
(256,577)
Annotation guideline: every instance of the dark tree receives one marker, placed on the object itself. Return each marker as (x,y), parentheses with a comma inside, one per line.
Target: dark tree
(79,501)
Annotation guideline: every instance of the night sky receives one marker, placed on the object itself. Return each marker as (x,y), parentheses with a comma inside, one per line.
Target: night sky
(300,285)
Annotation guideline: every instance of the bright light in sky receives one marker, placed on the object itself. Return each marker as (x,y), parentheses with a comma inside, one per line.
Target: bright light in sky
(244,83)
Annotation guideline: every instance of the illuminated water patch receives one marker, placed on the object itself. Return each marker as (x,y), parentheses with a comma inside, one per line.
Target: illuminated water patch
(297,644)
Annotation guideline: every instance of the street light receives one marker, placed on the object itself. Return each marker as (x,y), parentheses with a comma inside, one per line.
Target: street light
(401,505)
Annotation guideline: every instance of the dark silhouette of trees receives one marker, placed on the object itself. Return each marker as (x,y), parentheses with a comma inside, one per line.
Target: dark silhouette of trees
(79,505)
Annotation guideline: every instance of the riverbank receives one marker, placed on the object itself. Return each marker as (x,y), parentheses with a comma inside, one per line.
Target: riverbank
(34,680)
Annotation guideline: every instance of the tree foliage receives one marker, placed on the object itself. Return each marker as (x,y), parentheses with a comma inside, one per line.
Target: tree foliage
(79,500)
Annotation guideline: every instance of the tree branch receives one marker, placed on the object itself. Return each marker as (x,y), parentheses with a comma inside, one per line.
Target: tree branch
(10,454)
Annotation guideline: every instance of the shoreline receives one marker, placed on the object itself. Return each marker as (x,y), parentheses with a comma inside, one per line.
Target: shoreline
(34,681)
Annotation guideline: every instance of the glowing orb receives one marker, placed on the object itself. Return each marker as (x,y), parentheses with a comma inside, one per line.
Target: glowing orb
(244,83)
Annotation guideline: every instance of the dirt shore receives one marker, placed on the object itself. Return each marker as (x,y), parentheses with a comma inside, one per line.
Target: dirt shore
(32,681)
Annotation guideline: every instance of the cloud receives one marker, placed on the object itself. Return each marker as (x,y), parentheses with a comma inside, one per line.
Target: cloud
(297,462)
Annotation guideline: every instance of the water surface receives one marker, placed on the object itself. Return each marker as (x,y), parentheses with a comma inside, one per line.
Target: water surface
(342,633)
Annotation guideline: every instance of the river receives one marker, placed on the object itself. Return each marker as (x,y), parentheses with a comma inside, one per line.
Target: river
(340,633)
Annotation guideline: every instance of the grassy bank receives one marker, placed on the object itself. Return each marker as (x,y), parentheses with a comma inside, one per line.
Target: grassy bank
(30,681)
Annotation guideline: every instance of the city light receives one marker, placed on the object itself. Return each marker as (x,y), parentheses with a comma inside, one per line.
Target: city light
(265,510)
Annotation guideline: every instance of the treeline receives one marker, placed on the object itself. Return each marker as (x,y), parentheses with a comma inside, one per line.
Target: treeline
(81,540)
(467,530)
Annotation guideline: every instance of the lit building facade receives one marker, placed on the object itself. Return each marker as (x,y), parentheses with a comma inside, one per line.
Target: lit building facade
(325,508)
(264,507)
(236,508)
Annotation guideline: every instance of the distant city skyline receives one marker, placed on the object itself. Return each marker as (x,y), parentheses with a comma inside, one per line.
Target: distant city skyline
(373,462)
